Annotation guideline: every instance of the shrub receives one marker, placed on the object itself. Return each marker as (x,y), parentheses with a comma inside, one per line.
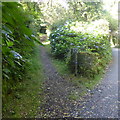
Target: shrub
(60,41)
(93,50)
(86,63)
(92,57)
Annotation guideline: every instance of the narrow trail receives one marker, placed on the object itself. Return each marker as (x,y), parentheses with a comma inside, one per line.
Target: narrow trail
(56,103)
(102,102)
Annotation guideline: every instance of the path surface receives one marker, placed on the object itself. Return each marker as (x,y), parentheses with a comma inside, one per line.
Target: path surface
(56,103)
(102,102)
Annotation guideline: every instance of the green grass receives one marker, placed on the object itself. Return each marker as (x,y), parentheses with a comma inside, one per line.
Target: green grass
(80,82)
(61,66)
(24,101)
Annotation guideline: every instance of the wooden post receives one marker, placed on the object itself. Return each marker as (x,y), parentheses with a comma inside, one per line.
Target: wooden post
(76,62)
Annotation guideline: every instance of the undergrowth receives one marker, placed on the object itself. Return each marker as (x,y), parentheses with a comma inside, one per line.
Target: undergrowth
(25,99)
(82,83)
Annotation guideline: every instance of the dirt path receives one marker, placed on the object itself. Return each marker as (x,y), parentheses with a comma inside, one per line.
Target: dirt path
(56,103)
(101,102)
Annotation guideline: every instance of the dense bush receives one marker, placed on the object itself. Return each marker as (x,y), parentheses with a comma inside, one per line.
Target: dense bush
(86,63)
(61,40)
(92,50)
(17,44)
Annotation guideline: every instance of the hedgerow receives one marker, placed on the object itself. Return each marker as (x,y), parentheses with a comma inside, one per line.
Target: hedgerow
(92,50)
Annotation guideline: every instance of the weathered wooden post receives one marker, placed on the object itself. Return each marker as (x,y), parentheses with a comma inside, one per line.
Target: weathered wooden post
(75,50)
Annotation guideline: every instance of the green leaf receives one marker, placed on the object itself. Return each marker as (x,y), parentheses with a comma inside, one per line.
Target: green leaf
(6,70)
(9,43)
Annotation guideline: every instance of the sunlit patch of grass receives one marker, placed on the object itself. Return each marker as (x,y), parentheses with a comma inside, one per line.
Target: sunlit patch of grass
(61,66)
(84,84)
(87,83)
(46,42)
(24,101)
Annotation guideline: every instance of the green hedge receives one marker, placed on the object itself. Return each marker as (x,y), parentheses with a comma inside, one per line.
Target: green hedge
(60,41)
(92,50)
(86,63)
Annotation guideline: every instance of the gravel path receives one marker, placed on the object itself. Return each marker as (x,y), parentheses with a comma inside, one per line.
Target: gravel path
(102,102)
(56,104)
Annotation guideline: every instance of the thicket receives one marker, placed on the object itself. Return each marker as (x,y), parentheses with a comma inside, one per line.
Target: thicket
(92,50)
(18,42)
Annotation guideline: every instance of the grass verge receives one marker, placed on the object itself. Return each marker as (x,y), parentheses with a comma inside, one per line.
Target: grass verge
(24,101)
